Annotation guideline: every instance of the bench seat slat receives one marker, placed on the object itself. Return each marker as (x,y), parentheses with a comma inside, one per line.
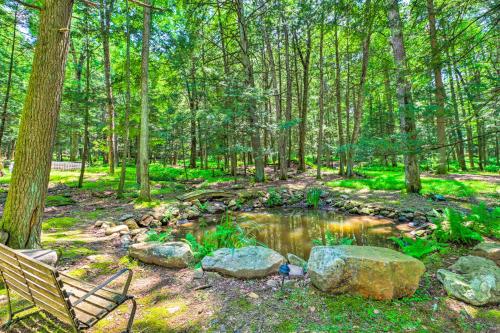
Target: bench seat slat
(104,293)
(31,280)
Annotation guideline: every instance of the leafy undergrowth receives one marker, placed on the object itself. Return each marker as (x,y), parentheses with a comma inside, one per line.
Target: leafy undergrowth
(58,200)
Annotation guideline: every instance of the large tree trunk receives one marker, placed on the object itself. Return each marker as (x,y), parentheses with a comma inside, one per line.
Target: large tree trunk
(28,187)
(5,108)
(407,116)
(250,84)
(106,10)
(145,193)
(319,156)
(358,104)
(126,125)
(440,92)
(340,127)
(390,110)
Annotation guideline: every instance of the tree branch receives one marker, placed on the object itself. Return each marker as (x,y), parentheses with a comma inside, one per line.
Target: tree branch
(29,5)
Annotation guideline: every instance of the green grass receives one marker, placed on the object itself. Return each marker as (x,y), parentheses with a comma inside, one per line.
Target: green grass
(58,223)
(392,179)
(58,200)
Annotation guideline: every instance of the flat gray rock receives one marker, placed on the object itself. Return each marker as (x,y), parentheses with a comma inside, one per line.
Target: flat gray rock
(472,279)
(171,254)
(245,263)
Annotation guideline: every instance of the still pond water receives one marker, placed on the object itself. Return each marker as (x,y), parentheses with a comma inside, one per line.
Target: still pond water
(293,231)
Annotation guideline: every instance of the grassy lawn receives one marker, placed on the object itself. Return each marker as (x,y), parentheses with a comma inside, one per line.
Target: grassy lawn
(392,179)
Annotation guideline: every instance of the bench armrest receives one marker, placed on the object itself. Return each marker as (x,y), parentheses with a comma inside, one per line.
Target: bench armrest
(105,283)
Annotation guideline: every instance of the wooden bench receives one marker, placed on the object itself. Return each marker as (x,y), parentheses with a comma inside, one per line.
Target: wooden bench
(74,302)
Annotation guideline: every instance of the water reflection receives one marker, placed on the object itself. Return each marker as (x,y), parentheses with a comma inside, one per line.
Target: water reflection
(288,231)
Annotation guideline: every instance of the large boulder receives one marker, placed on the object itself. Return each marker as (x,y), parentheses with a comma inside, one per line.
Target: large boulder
(244,263)
(488,250)
(369,271)
(171,254)
(472,279)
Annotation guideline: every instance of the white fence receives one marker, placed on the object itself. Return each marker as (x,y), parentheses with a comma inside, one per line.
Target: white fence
(58,165)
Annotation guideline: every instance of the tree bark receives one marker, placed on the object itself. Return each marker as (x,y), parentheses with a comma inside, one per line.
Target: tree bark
(126,124)
(3,120)
(145,193)
(406,108)
(86,140)
(288,100)
(250,84)
(338,98)
(28,187)
(440,92)
(358,104)
(277,103)
(319,156)
(106,9)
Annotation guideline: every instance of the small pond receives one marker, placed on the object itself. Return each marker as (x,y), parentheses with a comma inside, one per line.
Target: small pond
(293,231)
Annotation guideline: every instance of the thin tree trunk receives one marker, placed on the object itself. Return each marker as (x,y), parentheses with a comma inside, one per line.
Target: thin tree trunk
(358,104)
(25,204)
(86,140)
(126,125)
(250,84)
(277,102)
(407,116)
(288,100)
(145,193)
(106,10)
(440,92)
(9,82)
(390,109)
(321,102)
(340,127)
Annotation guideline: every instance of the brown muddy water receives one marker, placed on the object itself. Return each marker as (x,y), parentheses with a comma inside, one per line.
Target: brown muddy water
(293,231)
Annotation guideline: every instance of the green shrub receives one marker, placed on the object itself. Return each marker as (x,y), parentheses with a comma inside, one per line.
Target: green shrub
(419,247)
(274,198)
(332,239)
(154,236)
(451,227)
(313,197)
(227,234)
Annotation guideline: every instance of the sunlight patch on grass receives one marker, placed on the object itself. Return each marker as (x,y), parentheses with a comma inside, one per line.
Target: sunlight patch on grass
(58,223)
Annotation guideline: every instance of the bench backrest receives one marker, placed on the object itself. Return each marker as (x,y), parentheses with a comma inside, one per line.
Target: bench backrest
(36,282)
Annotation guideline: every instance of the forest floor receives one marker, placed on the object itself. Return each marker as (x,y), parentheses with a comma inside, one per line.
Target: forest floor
(182,301)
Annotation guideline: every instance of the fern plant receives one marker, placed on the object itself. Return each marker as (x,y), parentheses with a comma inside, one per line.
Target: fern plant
(227,234)
(274,198)
(419,247)
(485,221)
(451,227)
(332,239)
(313,197)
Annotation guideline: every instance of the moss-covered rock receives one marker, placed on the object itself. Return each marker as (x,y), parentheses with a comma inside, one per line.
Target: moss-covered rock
(368,271)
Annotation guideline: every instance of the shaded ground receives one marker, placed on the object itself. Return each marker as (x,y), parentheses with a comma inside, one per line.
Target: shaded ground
(176,301)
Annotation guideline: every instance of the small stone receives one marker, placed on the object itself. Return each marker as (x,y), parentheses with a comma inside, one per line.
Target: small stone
(198,273)
(253,295)
(135,232)
(116,229)
(126,240)
(376,311)
(99,223)
(488,250)
(126,217)
(296,260)
(312,309)
(131,224)
(146,220)
(273,283)
(344,197)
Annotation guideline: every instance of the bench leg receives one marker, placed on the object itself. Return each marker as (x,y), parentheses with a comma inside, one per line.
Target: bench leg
(12,313)
(132,315)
